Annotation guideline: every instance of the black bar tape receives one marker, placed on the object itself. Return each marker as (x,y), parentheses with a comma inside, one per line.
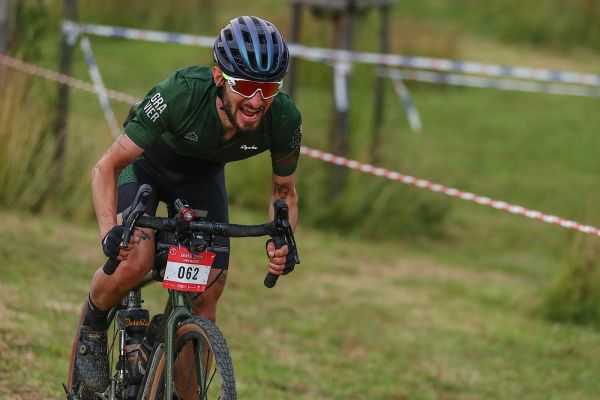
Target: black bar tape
(110,266)
(270,279)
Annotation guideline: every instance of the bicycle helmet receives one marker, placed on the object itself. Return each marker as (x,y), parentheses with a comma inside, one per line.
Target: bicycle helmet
(251,48)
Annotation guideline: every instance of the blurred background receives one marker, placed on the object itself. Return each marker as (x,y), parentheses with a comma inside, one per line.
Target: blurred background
(402,293)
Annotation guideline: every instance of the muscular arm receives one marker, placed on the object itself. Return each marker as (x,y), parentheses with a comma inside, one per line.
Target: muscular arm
(284,188)
(104,180)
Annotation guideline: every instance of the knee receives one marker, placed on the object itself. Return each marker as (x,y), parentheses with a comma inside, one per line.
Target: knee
(134,269)
(129,273)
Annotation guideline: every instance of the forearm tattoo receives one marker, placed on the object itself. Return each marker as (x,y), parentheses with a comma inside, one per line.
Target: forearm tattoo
(281,190)
(143,236)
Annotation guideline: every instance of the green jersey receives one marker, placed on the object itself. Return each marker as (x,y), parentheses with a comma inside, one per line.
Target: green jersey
(181,113)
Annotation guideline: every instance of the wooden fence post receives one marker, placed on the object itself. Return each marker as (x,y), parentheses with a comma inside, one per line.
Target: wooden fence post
(340,133)
(294,38)
(4,25)
(64,67)
(378,92)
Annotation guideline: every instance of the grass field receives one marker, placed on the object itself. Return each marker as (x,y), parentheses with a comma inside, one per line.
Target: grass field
(383,321)
(418,313)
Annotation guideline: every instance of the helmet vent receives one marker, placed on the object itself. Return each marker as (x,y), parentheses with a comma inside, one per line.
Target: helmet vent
(264,59)
(247,38)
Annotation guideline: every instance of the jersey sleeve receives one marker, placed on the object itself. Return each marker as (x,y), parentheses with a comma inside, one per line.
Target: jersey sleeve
(161,110)
(285,151)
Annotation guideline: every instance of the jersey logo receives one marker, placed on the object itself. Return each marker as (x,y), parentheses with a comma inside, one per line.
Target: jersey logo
(244,147)
(296,138)
(192,136)
(155,107)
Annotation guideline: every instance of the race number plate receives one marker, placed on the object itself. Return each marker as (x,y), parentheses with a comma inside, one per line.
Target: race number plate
(187,272)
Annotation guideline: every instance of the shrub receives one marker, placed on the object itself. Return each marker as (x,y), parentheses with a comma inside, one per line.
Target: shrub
(574,295)
(27,148)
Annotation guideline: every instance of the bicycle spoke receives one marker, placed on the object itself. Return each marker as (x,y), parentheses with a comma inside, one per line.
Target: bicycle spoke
(208,382)
(197,356)
(211,379)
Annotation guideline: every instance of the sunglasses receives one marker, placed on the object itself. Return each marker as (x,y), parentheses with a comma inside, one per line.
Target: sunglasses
(248,88)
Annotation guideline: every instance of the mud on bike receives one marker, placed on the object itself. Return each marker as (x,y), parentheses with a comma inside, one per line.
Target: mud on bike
(176,354)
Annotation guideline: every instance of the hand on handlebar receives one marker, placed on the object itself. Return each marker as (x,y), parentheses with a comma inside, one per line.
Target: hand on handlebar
(281,261)
(112,243)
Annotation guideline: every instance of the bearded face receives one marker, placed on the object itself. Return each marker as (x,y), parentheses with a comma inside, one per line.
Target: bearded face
(245,114)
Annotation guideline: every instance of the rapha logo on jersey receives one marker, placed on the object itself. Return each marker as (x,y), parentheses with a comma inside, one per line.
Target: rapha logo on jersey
(192,136)
(296,138)
(244,147)
(155,107)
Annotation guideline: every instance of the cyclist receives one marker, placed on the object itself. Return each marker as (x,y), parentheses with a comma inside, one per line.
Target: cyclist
(178,140)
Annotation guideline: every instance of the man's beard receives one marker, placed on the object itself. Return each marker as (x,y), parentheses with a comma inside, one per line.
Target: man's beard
(227,107)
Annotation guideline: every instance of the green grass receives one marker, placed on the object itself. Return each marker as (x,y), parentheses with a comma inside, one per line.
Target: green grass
(552,23)
(434,309)
(384,321)
(533,150)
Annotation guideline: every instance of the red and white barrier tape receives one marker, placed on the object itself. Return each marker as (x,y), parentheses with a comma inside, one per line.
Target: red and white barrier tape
(452,192)
(342,161)
(61,78)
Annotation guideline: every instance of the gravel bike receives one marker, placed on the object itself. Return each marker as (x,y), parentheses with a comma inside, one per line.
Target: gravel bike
(176,354)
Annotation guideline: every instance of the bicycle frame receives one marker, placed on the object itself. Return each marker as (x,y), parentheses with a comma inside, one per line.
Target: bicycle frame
(178,308)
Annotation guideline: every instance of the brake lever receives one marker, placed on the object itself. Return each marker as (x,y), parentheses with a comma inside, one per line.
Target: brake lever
(135,211)
(140,200)
(131,215)
(284,228)
(282,211)
(291,242)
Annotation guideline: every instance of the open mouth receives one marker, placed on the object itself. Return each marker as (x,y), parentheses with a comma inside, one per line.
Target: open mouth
(250,114)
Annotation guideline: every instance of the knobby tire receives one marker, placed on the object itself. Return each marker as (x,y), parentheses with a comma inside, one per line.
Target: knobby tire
(199,334)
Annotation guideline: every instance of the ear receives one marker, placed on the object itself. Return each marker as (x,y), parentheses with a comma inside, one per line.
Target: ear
(217,75)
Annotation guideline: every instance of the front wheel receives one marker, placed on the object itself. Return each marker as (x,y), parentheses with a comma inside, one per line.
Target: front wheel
(202,367)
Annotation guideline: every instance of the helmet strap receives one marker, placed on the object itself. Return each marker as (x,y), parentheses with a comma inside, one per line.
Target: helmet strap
(220,91)
(230,117)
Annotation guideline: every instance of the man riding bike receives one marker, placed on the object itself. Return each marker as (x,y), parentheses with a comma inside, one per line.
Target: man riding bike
(178,140)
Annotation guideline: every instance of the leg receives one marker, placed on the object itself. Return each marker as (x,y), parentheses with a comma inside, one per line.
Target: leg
(205,305)
(90,372)
(108,290)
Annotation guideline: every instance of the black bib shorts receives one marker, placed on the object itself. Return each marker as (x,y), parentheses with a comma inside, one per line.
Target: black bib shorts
(201,183)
